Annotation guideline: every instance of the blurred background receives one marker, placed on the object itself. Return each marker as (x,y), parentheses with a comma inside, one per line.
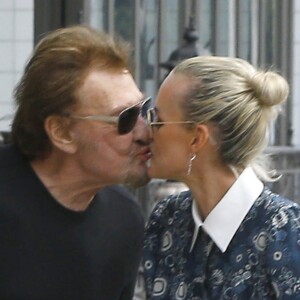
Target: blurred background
(163,32)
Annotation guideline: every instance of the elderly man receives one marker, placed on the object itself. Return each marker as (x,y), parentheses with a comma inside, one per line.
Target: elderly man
(66,230)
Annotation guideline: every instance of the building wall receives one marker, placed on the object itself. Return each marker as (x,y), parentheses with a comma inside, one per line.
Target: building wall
(16,43)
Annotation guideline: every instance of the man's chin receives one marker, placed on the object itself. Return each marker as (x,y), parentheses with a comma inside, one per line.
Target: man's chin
(137,180)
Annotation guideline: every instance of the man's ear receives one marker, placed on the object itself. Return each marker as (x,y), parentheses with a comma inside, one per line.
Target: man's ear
(59,133)
(200,137)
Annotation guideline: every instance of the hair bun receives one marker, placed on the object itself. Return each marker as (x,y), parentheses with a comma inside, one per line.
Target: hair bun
(269,87)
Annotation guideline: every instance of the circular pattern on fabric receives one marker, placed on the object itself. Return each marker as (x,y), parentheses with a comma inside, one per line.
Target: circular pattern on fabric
(166,241)
(159,286)
(181,291)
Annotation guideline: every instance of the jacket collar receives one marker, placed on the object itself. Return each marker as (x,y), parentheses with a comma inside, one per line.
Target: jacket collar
(224,220)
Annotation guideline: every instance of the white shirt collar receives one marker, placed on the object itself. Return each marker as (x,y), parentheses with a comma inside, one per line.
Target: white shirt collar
(224,220)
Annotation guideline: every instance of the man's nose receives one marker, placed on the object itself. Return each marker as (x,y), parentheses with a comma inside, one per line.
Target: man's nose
(142,130)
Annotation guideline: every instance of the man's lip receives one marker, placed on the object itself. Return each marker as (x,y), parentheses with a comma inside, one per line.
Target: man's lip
(145,153)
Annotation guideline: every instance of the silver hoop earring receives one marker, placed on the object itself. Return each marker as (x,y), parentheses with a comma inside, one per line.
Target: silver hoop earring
(190,164)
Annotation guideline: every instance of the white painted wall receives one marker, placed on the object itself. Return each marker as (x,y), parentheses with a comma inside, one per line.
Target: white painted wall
(16,44)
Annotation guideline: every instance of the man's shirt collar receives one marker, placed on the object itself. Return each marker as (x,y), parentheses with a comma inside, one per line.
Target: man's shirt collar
(224,220)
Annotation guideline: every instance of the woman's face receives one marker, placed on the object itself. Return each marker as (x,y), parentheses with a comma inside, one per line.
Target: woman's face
(170,145)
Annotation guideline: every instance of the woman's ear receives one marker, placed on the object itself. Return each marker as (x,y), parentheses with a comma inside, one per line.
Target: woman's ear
(200,137)
(59,133)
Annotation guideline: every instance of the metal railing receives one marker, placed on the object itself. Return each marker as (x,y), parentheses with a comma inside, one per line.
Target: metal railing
(287,163)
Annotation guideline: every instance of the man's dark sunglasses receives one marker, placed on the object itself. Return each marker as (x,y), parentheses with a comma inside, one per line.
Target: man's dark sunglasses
(126,119)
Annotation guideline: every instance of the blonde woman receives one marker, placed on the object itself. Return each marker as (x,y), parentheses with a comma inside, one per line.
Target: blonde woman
(229,236)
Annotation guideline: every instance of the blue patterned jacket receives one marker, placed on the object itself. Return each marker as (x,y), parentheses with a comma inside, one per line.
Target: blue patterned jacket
(262,260)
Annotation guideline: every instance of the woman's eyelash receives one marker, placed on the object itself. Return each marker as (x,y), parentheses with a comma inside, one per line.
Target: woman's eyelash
(158,125)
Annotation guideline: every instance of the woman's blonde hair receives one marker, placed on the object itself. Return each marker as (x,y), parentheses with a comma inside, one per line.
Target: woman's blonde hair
(241,100)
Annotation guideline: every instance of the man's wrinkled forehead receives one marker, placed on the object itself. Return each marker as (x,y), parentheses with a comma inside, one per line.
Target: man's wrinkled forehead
(109,90)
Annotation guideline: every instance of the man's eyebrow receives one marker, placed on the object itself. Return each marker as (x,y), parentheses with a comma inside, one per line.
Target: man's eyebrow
(119,109)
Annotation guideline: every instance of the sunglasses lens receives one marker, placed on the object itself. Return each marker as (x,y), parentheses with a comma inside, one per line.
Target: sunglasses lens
(127,119)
